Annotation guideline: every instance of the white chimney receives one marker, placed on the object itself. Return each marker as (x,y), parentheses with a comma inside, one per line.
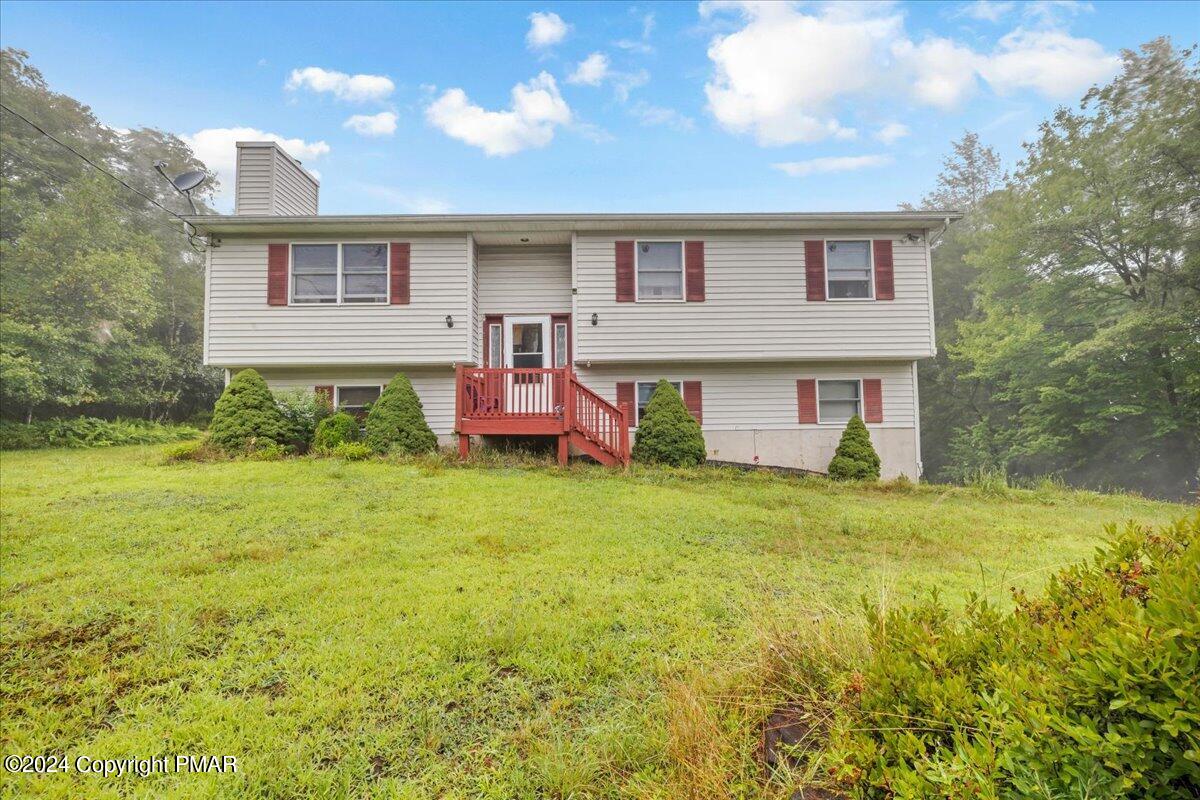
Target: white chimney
(271,182)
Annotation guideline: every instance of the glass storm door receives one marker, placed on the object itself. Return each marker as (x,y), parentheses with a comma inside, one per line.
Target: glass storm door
(527,345)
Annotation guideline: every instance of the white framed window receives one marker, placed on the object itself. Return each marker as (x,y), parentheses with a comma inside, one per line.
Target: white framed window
(838,401)
(560,345)
(339,273)
(645,389)
(659,267)
(355,399)
(495,345)
(849,269)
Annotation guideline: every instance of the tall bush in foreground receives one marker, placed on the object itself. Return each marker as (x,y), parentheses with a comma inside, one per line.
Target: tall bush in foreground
(335,430)
(246,416)
(396,422)
(855,458)
(302,412)
(667,432)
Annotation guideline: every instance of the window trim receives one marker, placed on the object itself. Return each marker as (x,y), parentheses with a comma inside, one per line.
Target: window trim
(637,285)
(637,412)
(870,269)
(340,274)
(337,388)
(861,401)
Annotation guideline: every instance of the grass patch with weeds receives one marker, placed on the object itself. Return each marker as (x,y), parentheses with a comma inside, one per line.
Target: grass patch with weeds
(414,628)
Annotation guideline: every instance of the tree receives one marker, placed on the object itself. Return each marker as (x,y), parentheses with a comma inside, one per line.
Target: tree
(101,297)
(246,416)
(396,421)
(1087,335)
(855,458)
(667,432)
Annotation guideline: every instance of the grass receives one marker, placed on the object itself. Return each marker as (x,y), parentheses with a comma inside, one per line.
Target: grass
(419,630)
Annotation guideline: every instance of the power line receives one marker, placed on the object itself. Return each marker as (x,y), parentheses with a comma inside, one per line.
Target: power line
(89,162)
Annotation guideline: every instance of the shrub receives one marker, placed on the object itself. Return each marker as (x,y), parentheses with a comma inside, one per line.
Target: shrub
(855,458)
(667,432)
(198,450)
(1086,691)
(302,412)
(396,422)
(266,451)
(246,415)
(352,451)
(334,430)
(89,432)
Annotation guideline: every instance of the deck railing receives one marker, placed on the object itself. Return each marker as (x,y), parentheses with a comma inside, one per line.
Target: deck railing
(525,400)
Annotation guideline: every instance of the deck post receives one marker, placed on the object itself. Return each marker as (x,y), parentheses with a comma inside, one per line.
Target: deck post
(464,446)
(564,449)
(624,434)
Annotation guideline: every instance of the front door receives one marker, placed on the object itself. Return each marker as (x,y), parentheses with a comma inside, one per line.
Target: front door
(527,345)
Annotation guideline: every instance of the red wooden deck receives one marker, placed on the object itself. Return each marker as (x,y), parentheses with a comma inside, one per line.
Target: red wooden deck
(540,402)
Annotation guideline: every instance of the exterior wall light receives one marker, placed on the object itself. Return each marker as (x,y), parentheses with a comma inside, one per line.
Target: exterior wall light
(595,320)
(449,321)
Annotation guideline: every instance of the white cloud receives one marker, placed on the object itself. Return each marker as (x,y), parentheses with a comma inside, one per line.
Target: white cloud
(815,166)
(1055,12)
(985,10)
(787,70)
(942,72)
(640,45)
(351,88)
(1052,63)
(545,30)
(648,114)
(591,71)
(892,132)
(779,75)
(217,148)
(537,109)
(625,82)
(381,124)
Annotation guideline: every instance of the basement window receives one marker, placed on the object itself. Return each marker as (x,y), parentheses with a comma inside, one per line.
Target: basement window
(838,401)
(356,400)
(645,389)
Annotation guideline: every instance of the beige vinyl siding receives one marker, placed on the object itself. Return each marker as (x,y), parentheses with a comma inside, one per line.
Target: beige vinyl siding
(524,279)
(435,386)
(268,181)
(763,396)
(755,305)
(244,331)
(254,169)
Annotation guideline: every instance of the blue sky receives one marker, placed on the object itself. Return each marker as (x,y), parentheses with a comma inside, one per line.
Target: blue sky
(556,107)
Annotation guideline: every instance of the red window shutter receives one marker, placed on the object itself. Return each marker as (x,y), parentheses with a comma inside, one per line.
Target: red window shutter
(806,400)
(885,285)
(488,322)
(399,272)
(693,259)
(626,293)
(872,400)
(693,398)
(814,269)
(627,396)
(277,274)
(324,394)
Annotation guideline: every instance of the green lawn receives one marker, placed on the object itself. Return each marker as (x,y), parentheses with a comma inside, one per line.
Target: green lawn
(395,630)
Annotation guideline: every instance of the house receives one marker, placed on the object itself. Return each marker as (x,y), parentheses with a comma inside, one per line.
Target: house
(775,327)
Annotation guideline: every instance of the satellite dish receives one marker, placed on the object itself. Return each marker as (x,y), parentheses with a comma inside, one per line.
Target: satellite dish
(188,180)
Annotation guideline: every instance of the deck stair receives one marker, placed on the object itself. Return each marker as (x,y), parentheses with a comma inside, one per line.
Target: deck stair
(540,402)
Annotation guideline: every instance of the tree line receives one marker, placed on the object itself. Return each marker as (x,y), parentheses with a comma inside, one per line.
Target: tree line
(1067,300)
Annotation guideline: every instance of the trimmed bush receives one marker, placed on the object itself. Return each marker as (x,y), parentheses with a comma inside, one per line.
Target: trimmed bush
(1086,691)
(396,422)
(352,451)
(855,458)
(302,412)
(334,430)
(246,416)
(89,432)
(667,432)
